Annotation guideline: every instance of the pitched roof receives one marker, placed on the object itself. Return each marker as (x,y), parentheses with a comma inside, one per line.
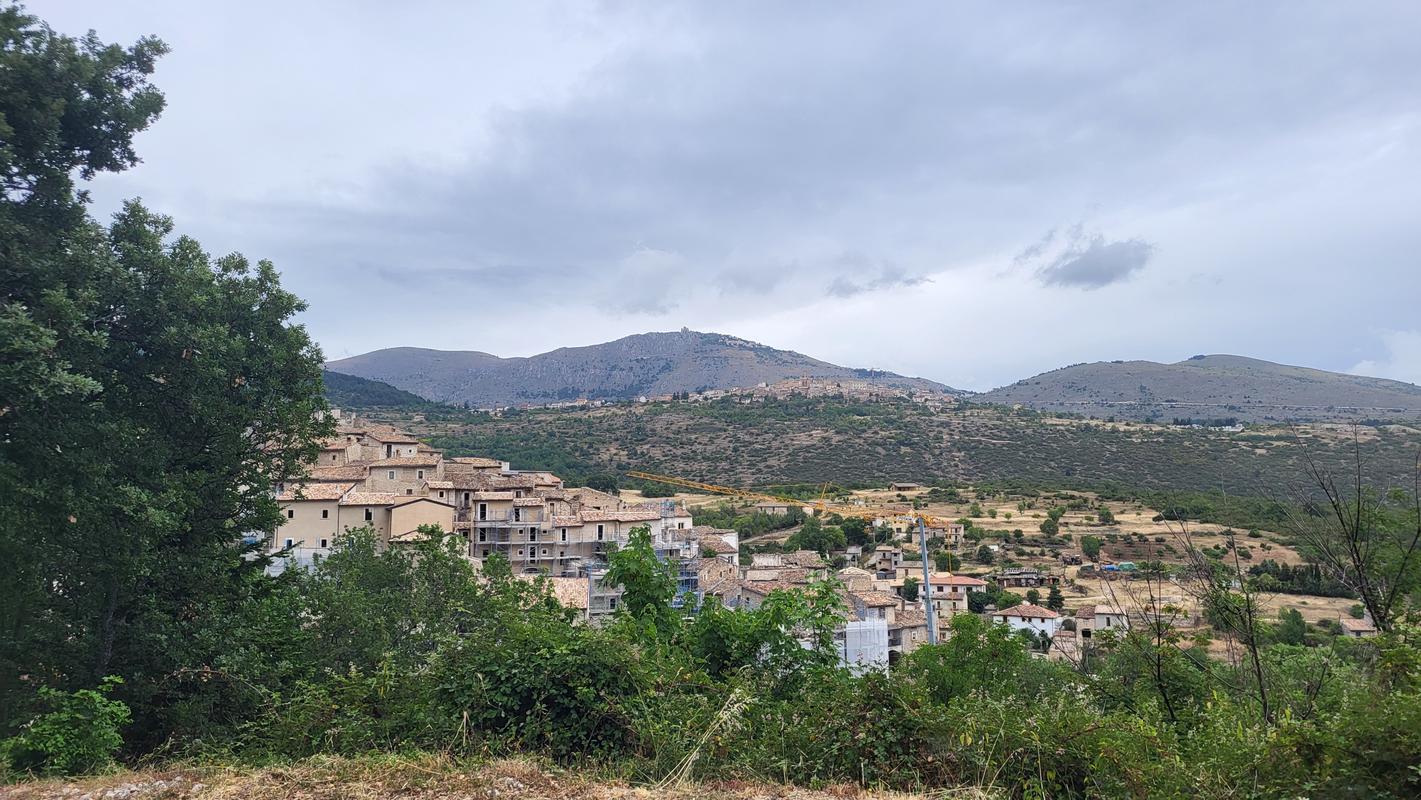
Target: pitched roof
(716,544)
(570,592)
(1357,625)
(1027,610)
(876,599)
(409,500)
(1085,611)
(407,461)
(390,436)
(527,502)
(349,472)
(314,491)
(909,618)
(805,558)
(371,499)
(440,484)
(475,461)
(944,579)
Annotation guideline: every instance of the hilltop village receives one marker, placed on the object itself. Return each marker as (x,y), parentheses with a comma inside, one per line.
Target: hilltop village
(377,476)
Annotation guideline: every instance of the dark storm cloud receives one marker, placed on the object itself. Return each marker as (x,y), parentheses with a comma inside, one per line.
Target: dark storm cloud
(1095,263)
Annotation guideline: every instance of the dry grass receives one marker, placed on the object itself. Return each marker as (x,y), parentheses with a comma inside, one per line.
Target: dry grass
(412,778)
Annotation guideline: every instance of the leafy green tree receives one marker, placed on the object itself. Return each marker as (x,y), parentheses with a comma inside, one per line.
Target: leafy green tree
(1050,526)
(985,555)
(1033,596)
(1105,515)
(1090,546)
(946,561)
(1055,600)
(1292,628)
(814,535)
(910,589)
(855,530)
(648,587)
(151,394)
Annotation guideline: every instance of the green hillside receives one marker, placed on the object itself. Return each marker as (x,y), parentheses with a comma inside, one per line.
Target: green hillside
(847,442)
(348,391)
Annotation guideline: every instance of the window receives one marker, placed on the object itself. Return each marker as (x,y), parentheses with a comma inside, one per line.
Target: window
(517,515)
(369,514)
(290,542)
(520,551)
(419,474)
(483,510)
(612,603)
(441,493)
(545,551)
(333,458)
(485,552)
(680,525)
(325,514)
(291,513)
(409,491)
(483,534)
(532,534)
(390,474)
(325,543)
(600,532)
(563,536)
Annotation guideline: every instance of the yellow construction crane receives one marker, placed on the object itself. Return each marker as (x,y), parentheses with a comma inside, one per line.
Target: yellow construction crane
(862,512)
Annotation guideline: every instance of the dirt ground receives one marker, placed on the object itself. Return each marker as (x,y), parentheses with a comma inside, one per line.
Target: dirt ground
(412,778)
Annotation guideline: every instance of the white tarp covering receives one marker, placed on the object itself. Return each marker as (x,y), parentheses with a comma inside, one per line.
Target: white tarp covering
(865,645)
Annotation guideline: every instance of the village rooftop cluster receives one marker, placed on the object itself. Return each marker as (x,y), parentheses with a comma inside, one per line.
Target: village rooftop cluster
(379,477)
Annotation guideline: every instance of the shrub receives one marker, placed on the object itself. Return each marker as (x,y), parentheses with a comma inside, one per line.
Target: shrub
(77,733)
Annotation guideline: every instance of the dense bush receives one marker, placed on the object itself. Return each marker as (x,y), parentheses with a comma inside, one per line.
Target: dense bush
(72,733)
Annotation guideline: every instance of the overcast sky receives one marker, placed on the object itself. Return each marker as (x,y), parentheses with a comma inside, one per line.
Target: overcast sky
(973,193)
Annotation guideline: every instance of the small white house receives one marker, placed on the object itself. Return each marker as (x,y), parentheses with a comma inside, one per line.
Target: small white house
(1029,617)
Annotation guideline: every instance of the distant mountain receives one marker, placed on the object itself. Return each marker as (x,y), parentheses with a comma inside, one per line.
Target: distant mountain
(1211,387)
(645,364)
(348,391)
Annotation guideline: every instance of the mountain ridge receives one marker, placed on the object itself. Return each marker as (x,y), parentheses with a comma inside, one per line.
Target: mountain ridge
(1215,386)
(648,364)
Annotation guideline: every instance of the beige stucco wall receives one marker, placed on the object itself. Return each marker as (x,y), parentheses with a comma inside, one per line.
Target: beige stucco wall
(354,517)
(307,526)
(410,516)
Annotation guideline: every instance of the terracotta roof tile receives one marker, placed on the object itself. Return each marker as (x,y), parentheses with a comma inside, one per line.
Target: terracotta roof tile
(314,491)
(349,472)
(371,499)
(876,599)
(407,461)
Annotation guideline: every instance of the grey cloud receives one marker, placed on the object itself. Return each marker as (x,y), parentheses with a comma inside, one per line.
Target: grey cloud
(889,278)
(1096,263)
(1036,249)
(734,161)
